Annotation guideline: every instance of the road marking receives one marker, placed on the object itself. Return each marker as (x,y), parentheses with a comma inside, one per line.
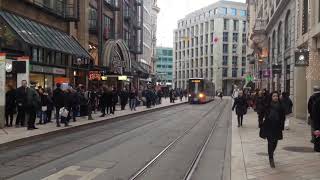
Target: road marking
(74,171)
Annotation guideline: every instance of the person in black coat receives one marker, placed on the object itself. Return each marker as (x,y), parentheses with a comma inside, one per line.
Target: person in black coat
(274,125)
(75,104)
(58,100)
(114,99)
(10,105)
(123,98)
(240,104)
(68,103)
(21,100)
(287,104)
(315,96)
(103,101)
(260,107)
(44,106)
(50,105)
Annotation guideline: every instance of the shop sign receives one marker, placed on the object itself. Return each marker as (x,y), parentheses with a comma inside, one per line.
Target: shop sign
(123,78)
(266,73)
(302,58)
(59,71)
(276,69)
(94,75)
(104,78)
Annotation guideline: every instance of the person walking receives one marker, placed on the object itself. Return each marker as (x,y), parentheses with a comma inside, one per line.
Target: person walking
(114,99)
(287,104)
(50,105)
(74,104)
(21,100)
(68,103)
(33,105)
(240,104)
(44,106)
(132,99)
(124,98)
(58,100)
(160,95)
(316,124)
(311,102)
(273,125)
(260,107)
(103,101)
(10,105)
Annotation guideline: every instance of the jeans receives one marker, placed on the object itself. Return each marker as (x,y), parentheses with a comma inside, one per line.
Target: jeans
(43,117)
(272,145)
(132,104)
(21,117)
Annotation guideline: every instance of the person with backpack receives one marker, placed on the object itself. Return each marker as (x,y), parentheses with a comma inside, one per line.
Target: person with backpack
(315,97)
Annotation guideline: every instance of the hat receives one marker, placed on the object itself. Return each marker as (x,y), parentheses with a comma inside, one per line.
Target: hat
(316,88)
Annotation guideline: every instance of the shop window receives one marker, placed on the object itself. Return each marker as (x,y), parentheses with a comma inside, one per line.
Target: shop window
(34,54)
(58,59)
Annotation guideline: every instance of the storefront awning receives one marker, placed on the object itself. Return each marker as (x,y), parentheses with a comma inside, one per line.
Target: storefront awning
(137,67)
(40,35)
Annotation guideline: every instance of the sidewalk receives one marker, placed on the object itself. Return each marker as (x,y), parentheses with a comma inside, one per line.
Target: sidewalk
(294,156)
(8,135)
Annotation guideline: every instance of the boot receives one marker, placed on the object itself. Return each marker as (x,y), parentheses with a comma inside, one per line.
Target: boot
(271,161)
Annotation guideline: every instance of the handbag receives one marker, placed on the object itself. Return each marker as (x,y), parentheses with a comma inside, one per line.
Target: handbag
(44,108)
(64,112)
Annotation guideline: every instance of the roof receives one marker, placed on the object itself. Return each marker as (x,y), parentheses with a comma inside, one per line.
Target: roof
(37,34)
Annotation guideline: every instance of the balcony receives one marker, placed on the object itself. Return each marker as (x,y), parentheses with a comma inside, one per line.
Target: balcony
(259,36)
(112,4)
(67,10)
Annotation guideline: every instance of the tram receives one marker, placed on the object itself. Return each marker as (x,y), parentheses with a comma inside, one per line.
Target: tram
(200,91)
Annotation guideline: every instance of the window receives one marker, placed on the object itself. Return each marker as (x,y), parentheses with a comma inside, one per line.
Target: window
(287,39)
(225,61)
(207,27)
(212,25)
(235,25)
(226,24)
(207,38)
(244,62)
(206,51)
(201,40)
(234,72)
(201,62)
(234,60)
(158,66)
(92,18)
(305,16)
(243,13)
(201,28)
(211,60)
(244,26)
(225,72)
(280,39)
(225,48)
(201,51)
(212,49)
(243,71)
(225,36)
(223,11)
(206,61)
(244,50)
(235,37)
(170,66)
(234,48)
(244,38)
(233,11)
(169,73)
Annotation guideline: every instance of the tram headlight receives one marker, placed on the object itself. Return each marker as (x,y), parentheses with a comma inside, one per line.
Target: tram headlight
(201,95)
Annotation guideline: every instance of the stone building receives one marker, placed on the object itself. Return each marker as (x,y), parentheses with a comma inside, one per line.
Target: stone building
(210,43)
(276,30)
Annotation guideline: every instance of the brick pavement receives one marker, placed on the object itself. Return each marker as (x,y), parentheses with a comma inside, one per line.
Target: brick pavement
(13,134)
(294,156)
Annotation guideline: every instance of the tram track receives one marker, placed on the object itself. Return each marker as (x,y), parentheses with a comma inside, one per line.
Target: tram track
(158,156)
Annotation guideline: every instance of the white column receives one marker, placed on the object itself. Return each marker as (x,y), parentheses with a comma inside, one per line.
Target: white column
(2,88)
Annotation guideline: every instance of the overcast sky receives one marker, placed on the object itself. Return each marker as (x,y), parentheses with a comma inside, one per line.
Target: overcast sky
(173,10)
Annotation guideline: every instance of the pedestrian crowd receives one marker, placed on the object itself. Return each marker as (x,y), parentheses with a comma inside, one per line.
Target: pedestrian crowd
(273,110)
(65,104)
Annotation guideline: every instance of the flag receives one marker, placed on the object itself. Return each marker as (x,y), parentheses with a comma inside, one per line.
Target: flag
(215,39)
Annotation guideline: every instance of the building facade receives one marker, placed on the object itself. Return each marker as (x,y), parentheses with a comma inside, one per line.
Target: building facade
(154,18)
(164,66)
(277,30)
(211,43)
